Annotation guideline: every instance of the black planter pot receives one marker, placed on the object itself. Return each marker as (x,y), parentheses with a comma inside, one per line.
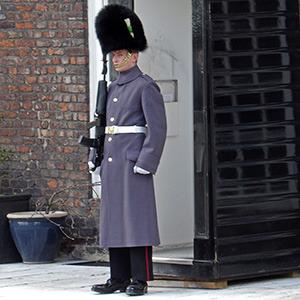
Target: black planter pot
(8,204)
(37,235)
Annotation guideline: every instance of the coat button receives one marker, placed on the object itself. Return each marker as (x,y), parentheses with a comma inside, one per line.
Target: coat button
(112,119)
(115,99)
(109,159)
(109,139)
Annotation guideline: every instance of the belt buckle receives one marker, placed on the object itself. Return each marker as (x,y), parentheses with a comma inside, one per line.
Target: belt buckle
(111,129)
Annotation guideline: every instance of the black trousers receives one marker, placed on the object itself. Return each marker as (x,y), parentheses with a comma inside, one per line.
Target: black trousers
(131,263)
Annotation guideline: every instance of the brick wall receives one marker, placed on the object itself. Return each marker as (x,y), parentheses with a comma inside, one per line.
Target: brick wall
(44,102)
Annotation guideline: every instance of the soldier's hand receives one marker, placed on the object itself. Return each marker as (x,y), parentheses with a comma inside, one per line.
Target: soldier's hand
(92,169)
(139,170)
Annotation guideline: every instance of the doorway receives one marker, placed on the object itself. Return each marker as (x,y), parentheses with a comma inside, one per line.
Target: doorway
(169,61)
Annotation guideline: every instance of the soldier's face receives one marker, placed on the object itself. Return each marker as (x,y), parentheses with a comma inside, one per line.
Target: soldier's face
(123,60)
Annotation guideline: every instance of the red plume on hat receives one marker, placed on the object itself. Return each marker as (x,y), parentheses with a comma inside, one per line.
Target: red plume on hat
(118,27)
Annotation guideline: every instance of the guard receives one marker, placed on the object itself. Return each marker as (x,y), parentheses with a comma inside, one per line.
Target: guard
(134,142)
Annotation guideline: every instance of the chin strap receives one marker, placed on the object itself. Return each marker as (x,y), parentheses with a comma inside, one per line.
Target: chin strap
(125,61)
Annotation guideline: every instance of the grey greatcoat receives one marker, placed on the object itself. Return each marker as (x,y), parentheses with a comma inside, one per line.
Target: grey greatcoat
(127,211)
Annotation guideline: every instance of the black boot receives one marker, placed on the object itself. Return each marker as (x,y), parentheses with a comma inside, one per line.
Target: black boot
(111,286)
(137,288)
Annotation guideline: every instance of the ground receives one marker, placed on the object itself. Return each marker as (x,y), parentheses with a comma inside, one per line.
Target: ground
(62,280)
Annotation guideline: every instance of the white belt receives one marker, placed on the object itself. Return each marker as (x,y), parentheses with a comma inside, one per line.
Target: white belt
(125,129)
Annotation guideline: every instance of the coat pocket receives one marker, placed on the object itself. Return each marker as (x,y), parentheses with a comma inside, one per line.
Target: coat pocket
(132,155)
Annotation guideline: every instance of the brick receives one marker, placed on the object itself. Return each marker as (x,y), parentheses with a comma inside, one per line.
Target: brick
(65,60)
(63,106)
(25,88)
(67,79)
(83,167)
(60,150)
(23,149)
(25,43)
(62,25)
(46,115)
(82,60)
(26,16)
(24,7)
(35,52)
(37,34)
(76,88)
(53,106)
(25,62)
(43,43)
(49,34)
(55,51)
(51,70)
(78,107)
(57,43)
(27,115)
(27,133)
(78,25)
(44,79)
(78,176)
(41,7)
(83,117)
(73,60)
(24,71)
(7,132)
(7,43)
(19,183)
(12,71)
(26,105)
(79,6)
(12,88)
(52,183)
(47,133)
(68,150)
(4,52)
(56,61)
(44,61)
(31,79)
(59,166)
(15,106)
(14,34)
(30,97)
(59,35)
(3,16)
(24,52)
(52,25)
(76,52)
(4,106)
(6,25)
(46,98)
(25,25)
(60,70)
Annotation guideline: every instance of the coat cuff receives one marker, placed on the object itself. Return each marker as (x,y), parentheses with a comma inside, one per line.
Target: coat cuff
(148,162)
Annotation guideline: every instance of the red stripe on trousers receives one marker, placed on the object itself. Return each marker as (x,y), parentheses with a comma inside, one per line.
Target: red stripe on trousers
(147,263)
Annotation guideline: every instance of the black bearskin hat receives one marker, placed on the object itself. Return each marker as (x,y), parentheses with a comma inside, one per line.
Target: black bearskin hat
(118,27)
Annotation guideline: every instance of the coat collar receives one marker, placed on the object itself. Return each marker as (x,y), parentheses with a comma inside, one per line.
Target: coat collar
(129,75)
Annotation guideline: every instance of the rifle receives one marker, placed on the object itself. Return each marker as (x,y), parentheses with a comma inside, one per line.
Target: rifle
(97,143)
